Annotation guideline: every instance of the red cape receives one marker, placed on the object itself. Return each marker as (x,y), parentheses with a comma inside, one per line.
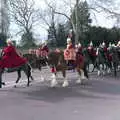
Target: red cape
(11,59)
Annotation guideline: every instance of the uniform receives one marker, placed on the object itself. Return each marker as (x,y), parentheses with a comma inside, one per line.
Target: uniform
(10,58)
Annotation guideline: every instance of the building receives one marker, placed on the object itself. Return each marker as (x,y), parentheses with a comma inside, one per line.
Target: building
(4,19)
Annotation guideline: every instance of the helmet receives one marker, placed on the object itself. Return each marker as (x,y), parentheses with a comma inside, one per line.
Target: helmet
(69,40)
(91,44)
(9,42)
(79,45)
(103,44)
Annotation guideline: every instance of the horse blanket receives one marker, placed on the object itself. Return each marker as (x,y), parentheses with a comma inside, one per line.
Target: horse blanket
(70,54)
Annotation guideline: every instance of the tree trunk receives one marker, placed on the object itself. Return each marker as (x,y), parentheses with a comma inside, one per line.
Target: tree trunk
(76,14)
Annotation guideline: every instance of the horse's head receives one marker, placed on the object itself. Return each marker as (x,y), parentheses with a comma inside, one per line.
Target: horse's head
(55,57)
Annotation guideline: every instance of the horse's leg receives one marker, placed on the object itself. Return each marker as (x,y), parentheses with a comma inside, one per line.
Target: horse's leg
(19,76)
(65,82)
(109,67)
(79,81)
(88,66)
(54,81)
(31,71)
(115,68)
(85,71)
(98,68)
(1,83)
(94,66)
(27,71)
(103,68)
(1,78)
(39,65)
(41,76)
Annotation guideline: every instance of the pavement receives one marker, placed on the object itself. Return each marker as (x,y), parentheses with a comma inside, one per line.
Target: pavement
(98,99)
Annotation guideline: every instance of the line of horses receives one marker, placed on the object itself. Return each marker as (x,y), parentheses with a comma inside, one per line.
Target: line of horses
(56,62)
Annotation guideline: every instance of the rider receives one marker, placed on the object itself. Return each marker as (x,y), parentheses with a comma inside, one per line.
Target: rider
(79,55)
(10,58)
(91,50)
(44,50)
(106,52)
(69,52)
(80,49)
(45,47)
(118,48)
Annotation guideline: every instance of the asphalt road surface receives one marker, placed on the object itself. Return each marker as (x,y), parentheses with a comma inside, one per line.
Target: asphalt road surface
(99,99)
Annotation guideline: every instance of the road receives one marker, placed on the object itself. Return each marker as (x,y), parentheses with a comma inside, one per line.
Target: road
(99,99)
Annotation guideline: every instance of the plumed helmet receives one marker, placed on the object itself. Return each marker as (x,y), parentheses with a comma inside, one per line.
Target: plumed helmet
(79,45)
(9,42)
(110,44)
(103,44)
(118,43)
(69,40)
(91,43)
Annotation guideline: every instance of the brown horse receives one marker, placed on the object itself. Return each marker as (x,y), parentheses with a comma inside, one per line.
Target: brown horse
(57,63)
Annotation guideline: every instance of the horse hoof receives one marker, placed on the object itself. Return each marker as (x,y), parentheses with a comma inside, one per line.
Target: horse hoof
(3,83)
(53,85)
(42,79)
(83,78)
(15,86)
(79,81)
(98,73)
(65,84)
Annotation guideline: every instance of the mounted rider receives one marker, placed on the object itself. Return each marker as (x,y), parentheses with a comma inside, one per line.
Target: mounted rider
(91,50)
(44,50)
(106,52)
(79,55)
(79,49)
(10,58)
(69,53)
(118,48)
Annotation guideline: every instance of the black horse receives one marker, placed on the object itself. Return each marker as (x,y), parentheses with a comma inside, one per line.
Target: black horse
(89,59)
(102,60)
(25,67)
(114,51)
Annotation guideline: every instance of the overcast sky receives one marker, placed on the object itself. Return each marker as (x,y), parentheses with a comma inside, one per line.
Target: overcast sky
(41,33)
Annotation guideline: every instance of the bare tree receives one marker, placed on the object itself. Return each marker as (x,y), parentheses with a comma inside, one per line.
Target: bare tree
(49,19)
(22,12)
(95,6)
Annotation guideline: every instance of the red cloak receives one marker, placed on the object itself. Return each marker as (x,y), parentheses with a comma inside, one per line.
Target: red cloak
(11,59)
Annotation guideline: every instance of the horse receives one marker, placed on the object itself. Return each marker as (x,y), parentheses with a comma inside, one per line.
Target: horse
(57,63)
(114,51)
(25,67)
(89,59)
(102,59)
